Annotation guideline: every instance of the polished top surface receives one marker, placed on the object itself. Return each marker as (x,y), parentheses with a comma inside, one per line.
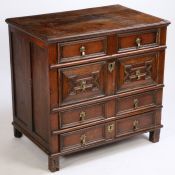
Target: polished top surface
(58,26)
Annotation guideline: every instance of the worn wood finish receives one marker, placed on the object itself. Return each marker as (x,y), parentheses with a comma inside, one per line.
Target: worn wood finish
(58,26)
(86,78)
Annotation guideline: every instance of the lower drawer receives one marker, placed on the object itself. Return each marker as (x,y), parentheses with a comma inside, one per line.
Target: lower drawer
(136,123)
(102,133)
(82,138)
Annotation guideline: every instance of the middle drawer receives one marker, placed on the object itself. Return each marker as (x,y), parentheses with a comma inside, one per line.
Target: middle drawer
(137,102)
(82,115)
(81,83)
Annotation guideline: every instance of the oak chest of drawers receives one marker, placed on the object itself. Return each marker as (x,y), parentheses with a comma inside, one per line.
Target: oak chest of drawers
(85,78)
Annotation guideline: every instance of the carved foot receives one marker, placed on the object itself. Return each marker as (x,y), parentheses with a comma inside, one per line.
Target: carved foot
(154,136)
(17,133)
(53,163)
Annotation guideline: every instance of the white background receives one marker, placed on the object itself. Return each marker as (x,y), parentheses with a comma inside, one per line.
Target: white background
(134,156)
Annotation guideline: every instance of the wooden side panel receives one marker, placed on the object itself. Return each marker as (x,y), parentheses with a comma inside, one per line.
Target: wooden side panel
(40,91)
(21,76)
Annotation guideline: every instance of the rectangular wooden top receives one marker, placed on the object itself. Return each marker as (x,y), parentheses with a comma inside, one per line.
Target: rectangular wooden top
(81,23)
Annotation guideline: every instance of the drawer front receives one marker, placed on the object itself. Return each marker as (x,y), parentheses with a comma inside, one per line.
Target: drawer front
(137,102)
(82,138)
(82,115)
(139,40)
(135,123)
(81,83)
(83,49)
(136,71)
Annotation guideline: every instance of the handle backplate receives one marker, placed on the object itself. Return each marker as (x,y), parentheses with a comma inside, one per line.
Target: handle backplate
(138,42)
(83,51)
(82,116)
(83,140)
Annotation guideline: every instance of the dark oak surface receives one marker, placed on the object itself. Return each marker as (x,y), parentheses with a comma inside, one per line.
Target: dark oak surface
(56,26)
(102,84)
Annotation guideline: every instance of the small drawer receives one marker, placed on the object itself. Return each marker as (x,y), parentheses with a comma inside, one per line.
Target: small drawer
(137,102)
(82,138)
(82,115)
(77,50)
(138,40)
(136,123)
(137,71)
(81,83)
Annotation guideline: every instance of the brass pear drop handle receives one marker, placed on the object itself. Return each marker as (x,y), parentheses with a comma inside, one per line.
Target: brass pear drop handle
(82,116)
(83,140)
(83,85)
(136,103)
(135,125)
(83,51)
(138,42)
(138,74)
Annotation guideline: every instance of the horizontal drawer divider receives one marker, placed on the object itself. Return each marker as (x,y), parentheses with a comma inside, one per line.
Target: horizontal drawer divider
(108,57)
(110,141)
(103,121)
(135,112)
(106,98)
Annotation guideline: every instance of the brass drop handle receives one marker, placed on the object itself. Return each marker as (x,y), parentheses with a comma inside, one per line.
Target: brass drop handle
(83,51)
(83,85)
(135,125)
(138,74)
(138,42)
(111,66)
(110,128)
(136,103)
(82,116)
(83,140)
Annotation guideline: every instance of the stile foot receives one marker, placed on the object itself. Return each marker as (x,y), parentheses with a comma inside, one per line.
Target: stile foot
(53,163)
(17,133)
(154,136)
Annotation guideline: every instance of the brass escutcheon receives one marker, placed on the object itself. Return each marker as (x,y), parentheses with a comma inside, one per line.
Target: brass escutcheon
(111,66)
(110,128)
(83,50)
